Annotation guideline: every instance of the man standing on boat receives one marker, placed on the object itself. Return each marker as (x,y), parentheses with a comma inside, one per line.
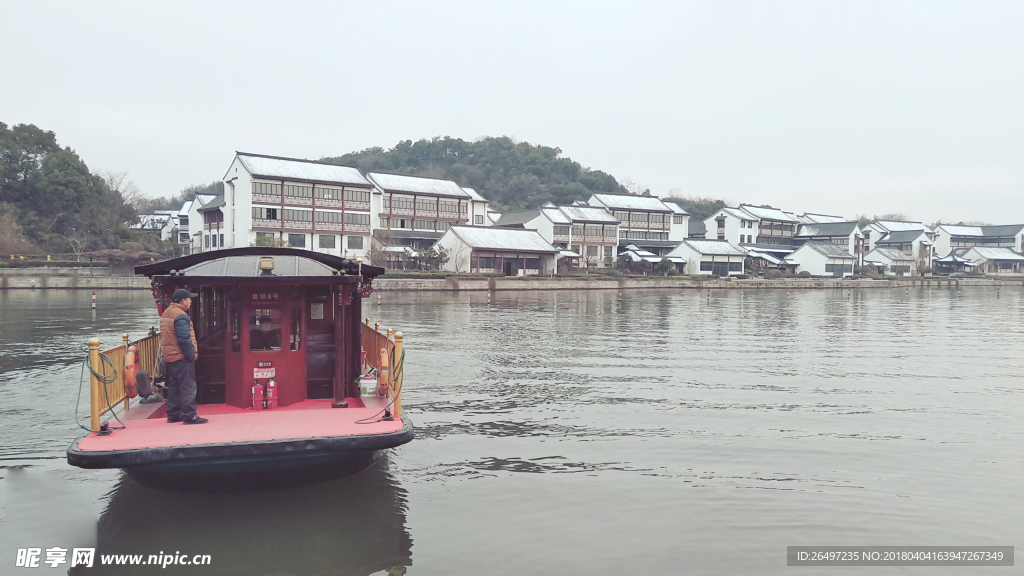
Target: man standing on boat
(178,343)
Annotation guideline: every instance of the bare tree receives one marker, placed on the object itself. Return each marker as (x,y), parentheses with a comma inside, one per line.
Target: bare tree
(129,191)
(457,257)
(78,245)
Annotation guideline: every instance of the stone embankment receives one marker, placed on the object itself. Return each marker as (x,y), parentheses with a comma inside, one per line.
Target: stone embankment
(29,280)
(605,283)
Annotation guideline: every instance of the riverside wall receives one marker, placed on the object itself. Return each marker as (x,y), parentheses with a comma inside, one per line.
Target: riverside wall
(30,280)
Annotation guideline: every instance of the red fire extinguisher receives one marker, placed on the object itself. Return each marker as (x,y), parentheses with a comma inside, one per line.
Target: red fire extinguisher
(270,401)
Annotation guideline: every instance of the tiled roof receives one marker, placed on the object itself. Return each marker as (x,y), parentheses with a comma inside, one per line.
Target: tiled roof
(717,247)
(415,184)
(503,239)
(767,213)
(474,194)
(900,237)
(300,170)
(827,229)
(632,202)
(517,218)
(891,254)
(828,249)
(996,253)
(588,214)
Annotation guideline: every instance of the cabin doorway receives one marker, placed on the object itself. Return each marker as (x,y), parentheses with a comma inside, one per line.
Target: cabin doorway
(509,267)
(721,269)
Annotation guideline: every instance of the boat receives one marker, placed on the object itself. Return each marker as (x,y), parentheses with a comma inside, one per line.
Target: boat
(296,385)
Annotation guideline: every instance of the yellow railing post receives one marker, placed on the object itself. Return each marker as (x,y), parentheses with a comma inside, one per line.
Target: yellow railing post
(124,383)
(94,385)
(397,370)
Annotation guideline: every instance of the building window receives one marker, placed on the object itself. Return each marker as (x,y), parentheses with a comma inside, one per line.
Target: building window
(442,226)
(426,205)
(532,263)
(657,218)
(611,231)
(265,235)
(448,206)
(400,203)
(705,267)
(638,216)
(357,196)
(298,191)
(487,263)
(593,231)
(214,239)
(206,241)
(327,240)
(329,217)
(264,213)
(266,188)
(424,225)
(298,215)
(561,230)
(355,242)
(183,221)
(221,240)
(577,230)
(356,218)
(384,222)
(622,216)
(297,240)
(607,252)
(478,220)
(401,223)
(735,266)
(329,193)
(677,219)
(592,251)
(183,237)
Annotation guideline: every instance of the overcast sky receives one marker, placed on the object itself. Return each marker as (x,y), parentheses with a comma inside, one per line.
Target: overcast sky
(853,107)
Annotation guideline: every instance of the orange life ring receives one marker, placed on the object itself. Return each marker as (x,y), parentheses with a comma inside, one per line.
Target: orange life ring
(131,366)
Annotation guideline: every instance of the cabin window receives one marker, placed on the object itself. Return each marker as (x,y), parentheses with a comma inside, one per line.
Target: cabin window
(607,252)
(677,219)
(298,191)
(214,240)
(355,242)
(327,240)
(533,263)
(297,240)
(735,266)
(265,329)
(487,263)
(622,216)
(610,232)
(561,230)
(705,267)
(357,195)
(264,213)
(361,219)
(221,240)
(478,220)
(266,188)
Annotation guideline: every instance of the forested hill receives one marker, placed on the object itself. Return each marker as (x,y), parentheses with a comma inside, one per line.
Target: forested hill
(512,175)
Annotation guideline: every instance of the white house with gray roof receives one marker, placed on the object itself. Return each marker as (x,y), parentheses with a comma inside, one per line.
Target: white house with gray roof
(993,259)
(589,232)
(895,261)
(823,259)
(846,235)
(949,237)
(415,212)
(513,252)
(645,221)
(709,257)
(300,203)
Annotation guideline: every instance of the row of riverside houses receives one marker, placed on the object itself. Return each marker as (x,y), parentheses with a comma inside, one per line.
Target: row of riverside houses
(390,219)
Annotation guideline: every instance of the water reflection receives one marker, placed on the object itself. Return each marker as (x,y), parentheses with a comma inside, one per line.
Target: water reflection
(351,526)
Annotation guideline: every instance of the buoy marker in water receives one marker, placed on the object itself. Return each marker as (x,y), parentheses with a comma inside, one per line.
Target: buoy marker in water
(93,299)
(488,296)
(378,297)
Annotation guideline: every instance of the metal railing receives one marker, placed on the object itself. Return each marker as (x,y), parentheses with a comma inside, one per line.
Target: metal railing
(107,393)
(373,343)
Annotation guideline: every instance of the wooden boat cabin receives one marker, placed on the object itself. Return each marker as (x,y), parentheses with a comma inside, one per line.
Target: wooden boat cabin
(271,313)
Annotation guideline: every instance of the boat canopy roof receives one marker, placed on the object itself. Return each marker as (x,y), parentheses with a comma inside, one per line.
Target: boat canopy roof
(242,264)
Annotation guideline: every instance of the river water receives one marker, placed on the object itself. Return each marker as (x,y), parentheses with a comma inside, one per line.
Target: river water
(656,432)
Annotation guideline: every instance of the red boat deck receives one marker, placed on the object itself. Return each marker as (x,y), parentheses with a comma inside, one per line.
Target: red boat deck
(146,425)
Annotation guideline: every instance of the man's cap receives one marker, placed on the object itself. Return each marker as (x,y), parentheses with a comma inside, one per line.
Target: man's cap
(180,294)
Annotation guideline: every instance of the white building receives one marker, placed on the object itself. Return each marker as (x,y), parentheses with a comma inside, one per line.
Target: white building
(896,262)
(645,221)
(916,244)
(478,208)
(823,259)
(875,231)
(299,203)
(993,259)
(415,212)
(589,232)
(709,257)
(811,218)
(846,235)
(952,236)
(513,252)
